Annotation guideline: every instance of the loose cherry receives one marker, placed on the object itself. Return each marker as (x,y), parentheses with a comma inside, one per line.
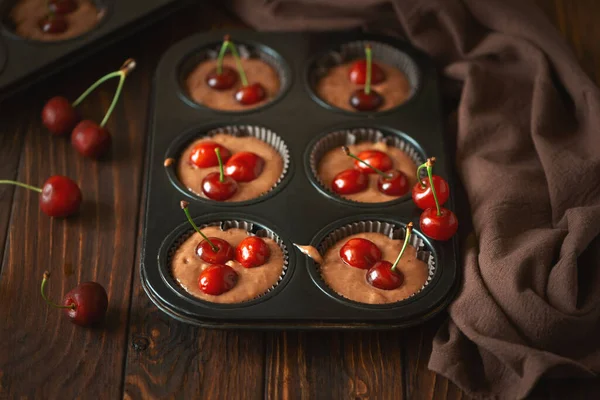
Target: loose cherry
(85,305)
(384,275)
(212,250)
(252,252)
(360,253)
(350,181)
(217,279)
(244,166)
(222,78)
(248,94)
(369,161)
(203,154)
(421,192)
(358,73)
(217,186)
(366,99)
(62,6)
(59,196)
(59,116)
(53,24)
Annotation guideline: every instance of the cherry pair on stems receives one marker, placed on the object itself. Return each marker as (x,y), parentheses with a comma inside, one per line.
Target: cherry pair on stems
(87,137)
(368,73)
(219,277)
(55,22)
(224,78)
(364,254)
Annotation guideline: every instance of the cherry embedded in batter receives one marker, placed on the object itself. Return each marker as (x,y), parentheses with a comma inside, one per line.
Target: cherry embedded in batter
(360,253)
(217,279)
(203,154)
(244,166)
(53,24)
(217,186)
(62,6)
(358,73)
(252,252)
(85,305)
(421,192)
(376,160)
(250,94)
(222,78)
(366,99)
(350,181)
(394,183)
(385,275)
(59,116)
(212,250)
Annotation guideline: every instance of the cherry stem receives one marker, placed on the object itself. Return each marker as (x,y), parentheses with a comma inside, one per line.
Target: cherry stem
(421,181)
(238,63)
(409,228)
(224,47)
(429,166)
(43,291)
(380,172)
(369,62)
(37,189)
(221,169)
(184,206)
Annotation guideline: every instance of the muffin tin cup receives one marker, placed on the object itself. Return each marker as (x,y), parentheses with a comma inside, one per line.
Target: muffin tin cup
(346,137)
(264,134)
(246,50)
(350,51)
(184,232)
(395,231)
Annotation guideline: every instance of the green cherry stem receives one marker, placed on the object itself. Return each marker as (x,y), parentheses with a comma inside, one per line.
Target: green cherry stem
(7,182)
(409,228)
(43,292)
(224,47)
(424,165)
(349,154)
(429,166)
(238,63)
(369,62)
(221,169)
(184,206)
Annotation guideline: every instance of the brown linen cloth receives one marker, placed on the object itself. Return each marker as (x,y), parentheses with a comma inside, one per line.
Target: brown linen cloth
(527,134)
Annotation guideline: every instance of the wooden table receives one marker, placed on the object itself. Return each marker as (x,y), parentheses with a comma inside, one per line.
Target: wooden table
(142,353)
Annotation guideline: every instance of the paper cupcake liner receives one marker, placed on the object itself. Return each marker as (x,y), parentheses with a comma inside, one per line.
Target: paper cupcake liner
(354,50)
(393,231)
(251,228)
(347,137)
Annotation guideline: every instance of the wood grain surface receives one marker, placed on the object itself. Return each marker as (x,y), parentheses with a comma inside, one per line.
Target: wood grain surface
(142,353)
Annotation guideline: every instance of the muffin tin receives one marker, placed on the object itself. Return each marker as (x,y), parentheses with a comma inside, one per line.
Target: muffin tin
(299,210)
(25,61)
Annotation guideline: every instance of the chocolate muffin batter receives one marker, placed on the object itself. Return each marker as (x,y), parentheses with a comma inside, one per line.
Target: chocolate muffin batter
(336,88)
(351,282)
(186,267)
(256,71)
(26,15)
(335,161)
(191,176)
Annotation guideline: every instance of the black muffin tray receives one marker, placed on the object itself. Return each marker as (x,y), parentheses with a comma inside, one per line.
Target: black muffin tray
(299,209)
(26,61)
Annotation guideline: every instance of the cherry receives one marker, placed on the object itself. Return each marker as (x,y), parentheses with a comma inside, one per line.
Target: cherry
(440,225)
(223,80)
(53,24)
(90,139)
(384,275)
(250,94)
(244,166)
(85,305)
(62,6)
(203,154)
(395,183)
(212,250)
(360,253)
(59,197)
(421,192)
(216,185)
(349,181)
(363,101)
(358,73)
(369,161)
(59,116)
(252,252)
(217,279)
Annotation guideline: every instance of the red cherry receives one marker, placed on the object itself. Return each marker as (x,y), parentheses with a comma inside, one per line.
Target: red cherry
(223,81)
(60,197)
(439,227)
(90,301)
(203,154)
(366,102)
(358,73)
(382,276)
(252,252)
(217,279)
(250,94)
(62,6)
(374,158)
(53,24)
(423,197)
(224,253)
(360,253)
(214,189)
(394,184)
(90,139)
(349,181)
(244,166)
(59,116)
